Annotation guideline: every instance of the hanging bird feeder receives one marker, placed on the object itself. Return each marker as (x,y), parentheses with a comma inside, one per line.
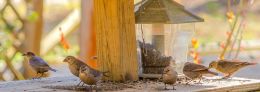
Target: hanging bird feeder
(166,26)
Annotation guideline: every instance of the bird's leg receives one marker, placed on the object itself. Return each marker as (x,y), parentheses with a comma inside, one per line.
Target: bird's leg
(227,76)
(35,76)
(90,87)
(199,82)
(79,83)
(165,86)
(173,87)
(187,78)
(41,75)
(95,87)
(187,83)
(83,84)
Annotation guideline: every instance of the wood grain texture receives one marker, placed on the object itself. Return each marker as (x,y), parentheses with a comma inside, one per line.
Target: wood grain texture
(116,42)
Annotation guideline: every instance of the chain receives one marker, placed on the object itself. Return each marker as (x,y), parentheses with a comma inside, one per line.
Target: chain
(144,50)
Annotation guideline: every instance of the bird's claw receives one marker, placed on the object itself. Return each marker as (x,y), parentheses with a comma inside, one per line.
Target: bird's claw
(226,77)
(36,78)
(187,84)
(198,83)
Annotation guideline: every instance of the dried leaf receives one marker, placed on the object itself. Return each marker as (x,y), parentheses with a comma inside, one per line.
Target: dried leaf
(63,41)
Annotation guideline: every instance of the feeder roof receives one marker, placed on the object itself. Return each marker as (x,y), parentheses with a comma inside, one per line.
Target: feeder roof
(163,11)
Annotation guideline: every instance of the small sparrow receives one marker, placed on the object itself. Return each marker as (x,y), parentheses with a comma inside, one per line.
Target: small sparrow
(169,76)
(195,71)
(75,65)
(90,76)
(38,64)
(228,67)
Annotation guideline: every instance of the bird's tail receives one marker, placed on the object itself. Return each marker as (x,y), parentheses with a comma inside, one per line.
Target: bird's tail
(106,73)
(54,70)
(250,63)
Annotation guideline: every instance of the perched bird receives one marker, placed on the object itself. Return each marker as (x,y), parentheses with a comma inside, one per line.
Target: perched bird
(195,71)
(169,76)
(228,67)
(75,65)
(38,64)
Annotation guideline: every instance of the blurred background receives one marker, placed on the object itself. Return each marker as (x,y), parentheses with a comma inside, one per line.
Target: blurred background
(33,25)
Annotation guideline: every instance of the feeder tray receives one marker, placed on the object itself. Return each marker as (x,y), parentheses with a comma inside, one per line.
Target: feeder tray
(153,61)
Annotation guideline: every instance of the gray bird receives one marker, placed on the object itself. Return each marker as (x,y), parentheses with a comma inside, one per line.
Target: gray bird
(75,65)
(195,71)
(169,76)
(38,64)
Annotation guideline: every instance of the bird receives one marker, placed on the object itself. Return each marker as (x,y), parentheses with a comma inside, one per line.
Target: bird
(38,64)
(75,65)
(90,76)
(228,67)
(195,71)
(169,76)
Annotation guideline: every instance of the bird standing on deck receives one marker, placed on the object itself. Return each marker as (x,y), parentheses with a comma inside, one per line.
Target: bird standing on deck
(90,76)
(195,71)
(169,76)
(38,64)
(75,65)
(229,67)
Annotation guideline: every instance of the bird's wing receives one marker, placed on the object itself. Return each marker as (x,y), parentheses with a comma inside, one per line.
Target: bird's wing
(227,63)
(196,67)
(38,62)
(92,70)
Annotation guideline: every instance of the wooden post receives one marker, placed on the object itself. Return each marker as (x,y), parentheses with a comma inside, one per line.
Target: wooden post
(116,39)
(33,30)
(87,36)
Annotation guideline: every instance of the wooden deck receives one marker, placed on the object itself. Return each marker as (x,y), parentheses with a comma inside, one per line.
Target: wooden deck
(67,84)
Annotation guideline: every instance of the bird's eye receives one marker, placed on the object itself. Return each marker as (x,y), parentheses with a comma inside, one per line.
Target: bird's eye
(167,70)
(67,58)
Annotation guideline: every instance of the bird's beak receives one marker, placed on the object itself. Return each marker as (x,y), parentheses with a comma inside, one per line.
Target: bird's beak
(164,73)
(64,60)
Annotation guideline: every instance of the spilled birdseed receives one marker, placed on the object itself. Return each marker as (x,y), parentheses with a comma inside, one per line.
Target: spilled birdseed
(107,86)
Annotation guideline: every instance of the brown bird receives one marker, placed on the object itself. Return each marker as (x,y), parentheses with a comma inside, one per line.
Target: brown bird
(228,67)
(75,65)
(169,76)
(195,71)
(90,76)
(38,64)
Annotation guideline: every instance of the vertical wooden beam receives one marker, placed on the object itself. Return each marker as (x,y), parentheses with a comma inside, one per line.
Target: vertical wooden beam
(33,31)
(87,35)
(116,40)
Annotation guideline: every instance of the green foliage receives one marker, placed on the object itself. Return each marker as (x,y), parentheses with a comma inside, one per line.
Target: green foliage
(33,16)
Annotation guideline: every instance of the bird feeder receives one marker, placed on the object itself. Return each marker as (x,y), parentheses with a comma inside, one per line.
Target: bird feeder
(166,26)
